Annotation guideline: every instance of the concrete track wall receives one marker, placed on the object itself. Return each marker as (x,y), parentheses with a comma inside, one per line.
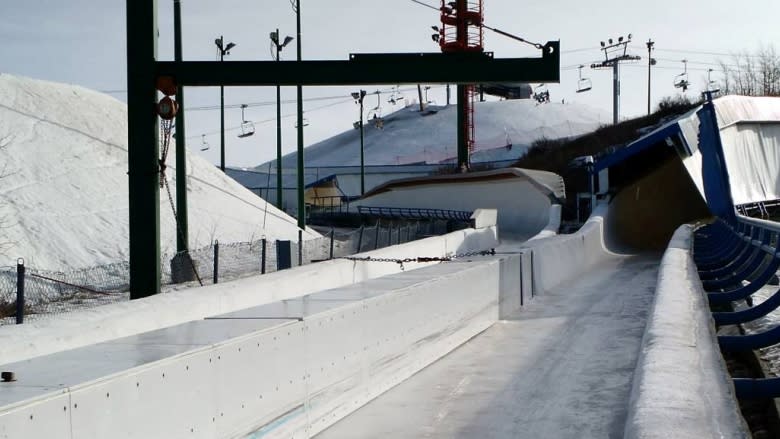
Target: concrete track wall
(681,386)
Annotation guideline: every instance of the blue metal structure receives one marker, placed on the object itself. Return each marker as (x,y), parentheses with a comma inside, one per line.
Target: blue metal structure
(735,256)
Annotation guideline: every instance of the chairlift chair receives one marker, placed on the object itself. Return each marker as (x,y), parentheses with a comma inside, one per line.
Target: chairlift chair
(681,80)
(584,84)
(247,127)
(305,123)
(204,146)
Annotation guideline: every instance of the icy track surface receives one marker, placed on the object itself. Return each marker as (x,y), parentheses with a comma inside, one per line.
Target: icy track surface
(562,367)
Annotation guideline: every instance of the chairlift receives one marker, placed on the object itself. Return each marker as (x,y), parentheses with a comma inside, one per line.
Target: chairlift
(395,97)
(305,123)
(541,94)
(584,84)
(204,146)
(247,127)
(681,80)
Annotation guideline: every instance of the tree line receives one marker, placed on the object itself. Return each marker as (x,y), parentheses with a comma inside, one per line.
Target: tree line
(752,74)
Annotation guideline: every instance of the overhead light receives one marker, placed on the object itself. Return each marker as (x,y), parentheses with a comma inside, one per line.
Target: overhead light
(436,28)
(602,44)
(218,42)
(610,41)
(230,46)
(620,40)
(629,37)
(355,95)
(435,38)
(287,40)
(274,37)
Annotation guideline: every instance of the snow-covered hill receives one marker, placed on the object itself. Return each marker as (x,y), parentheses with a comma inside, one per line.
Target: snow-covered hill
(63,199)
(408,136)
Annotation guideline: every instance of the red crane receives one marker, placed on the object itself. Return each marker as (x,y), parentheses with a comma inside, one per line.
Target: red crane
(462,31)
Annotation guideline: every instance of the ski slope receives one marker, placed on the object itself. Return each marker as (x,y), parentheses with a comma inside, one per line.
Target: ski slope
(63,198)
(504,130)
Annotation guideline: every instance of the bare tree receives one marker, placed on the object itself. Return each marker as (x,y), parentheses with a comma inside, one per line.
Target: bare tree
(752,74)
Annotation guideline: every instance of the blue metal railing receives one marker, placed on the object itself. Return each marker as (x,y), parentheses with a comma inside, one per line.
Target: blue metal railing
(416,213)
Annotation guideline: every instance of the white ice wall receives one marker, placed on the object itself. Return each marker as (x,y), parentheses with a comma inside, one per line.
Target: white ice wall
(681,386)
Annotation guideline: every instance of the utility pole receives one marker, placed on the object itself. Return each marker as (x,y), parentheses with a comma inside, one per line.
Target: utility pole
(650,62)
(614,54)
(223,50)
(279,46)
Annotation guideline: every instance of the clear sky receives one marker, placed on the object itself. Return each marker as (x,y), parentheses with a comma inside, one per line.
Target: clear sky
(83,42)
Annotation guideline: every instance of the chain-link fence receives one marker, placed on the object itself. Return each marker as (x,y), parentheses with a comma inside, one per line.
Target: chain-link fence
(49,292)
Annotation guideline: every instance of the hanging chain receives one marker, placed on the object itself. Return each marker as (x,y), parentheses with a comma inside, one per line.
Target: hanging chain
(167,128)
(402,261)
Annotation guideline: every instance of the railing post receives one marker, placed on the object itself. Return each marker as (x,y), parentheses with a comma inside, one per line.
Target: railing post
(263,256)
(20,291)
(378,228)
(216,261)
(332,236)
(300,247)
(360,238)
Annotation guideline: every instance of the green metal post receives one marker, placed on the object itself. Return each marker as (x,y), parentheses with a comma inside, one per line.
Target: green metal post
(182,237)
(463,147)
(142,148)
(301,166)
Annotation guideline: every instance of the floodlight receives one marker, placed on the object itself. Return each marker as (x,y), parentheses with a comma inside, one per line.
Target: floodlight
(435,28)
(229,46)
(355,95)
(274,37)
(602,44)
(610,41)
(218,42)
(287,40)
(620,40)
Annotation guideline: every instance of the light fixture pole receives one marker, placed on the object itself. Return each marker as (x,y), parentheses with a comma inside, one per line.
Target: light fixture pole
(279,46)
(358,96)
(614,54)
(223,50)
(650,61)
(301,169)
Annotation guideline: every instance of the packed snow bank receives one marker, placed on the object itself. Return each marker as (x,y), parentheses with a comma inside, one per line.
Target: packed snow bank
(64,196)
(95,325)
(681,386)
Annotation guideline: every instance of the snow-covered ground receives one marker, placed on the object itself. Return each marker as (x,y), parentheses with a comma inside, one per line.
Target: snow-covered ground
(504,130)
(63,198)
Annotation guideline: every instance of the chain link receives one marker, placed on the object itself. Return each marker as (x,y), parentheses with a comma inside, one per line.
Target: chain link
(402,261)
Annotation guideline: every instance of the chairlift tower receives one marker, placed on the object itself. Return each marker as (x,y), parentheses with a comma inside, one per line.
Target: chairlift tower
(614,54)
(462,32)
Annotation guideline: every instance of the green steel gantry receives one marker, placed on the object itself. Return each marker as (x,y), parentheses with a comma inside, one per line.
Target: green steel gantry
(143,70)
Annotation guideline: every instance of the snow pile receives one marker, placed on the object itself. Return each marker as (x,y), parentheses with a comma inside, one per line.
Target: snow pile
(504,131)
(64,194)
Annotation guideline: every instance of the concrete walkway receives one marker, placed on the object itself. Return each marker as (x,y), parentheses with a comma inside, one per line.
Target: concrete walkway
(560,368)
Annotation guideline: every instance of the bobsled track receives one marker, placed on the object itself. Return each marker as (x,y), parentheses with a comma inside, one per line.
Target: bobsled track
(607,332)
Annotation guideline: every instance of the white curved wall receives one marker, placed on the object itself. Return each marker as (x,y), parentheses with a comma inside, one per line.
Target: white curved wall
(522,208)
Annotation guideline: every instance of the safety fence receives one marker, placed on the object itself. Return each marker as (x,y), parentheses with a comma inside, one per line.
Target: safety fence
(27,293)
